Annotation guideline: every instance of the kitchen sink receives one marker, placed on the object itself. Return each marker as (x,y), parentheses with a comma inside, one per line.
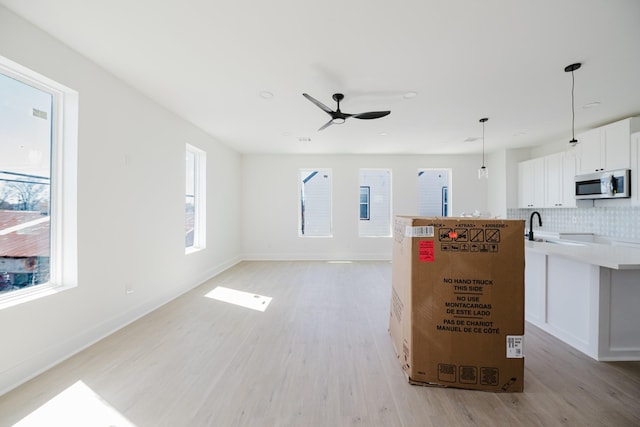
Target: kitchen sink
(558,241)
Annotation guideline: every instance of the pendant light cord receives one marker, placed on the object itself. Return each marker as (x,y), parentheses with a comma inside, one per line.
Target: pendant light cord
(483,121)
(483,143)
(571,68)
(573,111)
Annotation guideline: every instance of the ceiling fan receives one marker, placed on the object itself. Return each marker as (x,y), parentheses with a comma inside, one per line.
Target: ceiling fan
(338,117)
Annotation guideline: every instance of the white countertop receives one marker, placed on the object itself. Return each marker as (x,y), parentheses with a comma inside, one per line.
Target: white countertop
(604,255)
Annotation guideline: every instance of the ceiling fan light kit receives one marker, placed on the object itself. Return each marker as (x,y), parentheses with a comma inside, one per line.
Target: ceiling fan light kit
(337,116)
(570,69)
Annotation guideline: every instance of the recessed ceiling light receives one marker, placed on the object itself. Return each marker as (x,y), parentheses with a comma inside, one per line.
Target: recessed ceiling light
(591,104)
(383,134)
(409,95)
(266,94)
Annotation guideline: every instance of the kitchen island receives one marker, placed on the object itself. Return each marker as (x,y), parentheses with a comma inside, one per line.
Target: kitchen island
(586,294)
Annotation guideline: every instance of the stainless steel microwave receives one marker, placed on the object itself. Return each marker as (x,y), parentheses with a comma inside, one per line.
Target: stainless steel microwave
(604,185)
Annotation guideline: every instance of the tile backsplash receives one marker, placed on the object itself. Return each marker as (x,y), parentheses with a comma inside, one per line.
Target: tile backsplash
(620,223)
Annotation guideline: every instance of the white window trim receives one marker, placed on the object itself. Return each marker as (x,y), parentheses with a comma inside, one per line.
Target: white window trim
(368,203)
(200,200)
(449,188)
(300,191)
(390,232)
(64,179)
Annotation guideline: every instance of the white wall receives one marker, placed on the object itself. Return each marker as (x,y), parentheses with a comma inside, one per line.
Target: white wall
(130,211)
(503,179)
(270,202)
(498,182)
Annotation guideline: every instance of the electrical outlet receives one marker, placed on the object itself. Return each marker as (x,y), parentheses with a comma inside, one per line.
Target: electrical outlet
(574,219)
(128,288)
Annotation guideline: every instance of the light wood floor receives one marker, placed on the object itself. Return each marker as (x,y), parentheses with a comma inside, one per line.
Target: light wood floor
(320,355)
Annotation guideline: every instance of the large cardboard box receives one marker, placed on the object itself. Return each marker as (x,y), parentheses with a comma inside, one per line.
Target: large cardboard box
(457,305)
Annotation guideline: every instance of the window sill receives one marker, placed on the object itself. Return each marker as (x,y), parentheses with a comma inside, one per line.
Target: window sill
(192,249)
(30,294)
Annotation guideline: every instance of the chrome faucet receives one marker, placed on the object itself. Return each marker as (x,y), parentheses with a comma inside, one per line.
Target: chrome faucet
(531,223)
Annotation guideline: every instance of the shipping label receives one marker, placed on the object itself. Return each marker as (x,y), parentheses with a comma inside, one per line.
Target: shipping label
(515,346)
(426,252)
(419,231)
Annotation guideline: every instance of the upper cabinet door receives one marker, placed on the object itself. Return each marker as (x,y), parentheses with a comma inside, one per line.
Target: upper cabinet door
(531,183)
(635,169)
(554,180)
(617,144)
(568,182)
(590,151)
(560,170)
(539,182)
(525,184)
(607,147)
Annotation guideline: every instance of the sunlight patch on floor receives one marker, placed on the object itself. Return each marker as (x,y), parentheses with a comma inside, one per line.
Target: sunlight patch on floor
(243,299)
(77,406)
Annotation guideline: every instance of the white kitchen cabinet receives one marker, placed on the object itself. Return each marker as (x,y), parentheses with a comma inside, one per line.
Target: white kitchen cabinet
(547,181)
(607,147)
(635,169)
(590,307)
(525,186)
(554,194)
(590,148)
(569,170)
(560,170)
(531,183)
(535,287)
(616,144)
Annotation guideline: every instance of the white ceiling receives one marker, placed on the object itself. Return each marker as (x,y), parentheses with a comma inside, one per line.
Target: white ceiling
(209,61)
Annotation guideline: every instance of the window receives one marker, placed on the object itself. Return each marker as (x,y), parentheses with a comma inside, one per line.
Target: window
(433,192)
(445,201)
(38,175)
(375,203)
(315,202)
(365,194)
(195,199)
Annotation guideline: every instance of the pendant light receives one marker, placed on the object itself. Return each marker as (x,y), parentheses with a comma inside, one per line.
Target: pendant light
(483,172)
(570,69)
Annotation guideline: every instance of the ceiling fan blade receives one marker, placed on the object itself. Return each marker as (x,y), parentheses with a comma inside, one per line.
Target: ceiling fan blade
(326,125)
(371,115)
(318,103)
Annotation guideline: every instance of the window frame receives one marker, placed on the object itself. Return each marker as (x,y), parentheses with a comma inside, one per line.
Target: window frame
(63,261)
(367,203)
(328,173)
(445,201)
(380,189)
(444,192)
(200,198)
